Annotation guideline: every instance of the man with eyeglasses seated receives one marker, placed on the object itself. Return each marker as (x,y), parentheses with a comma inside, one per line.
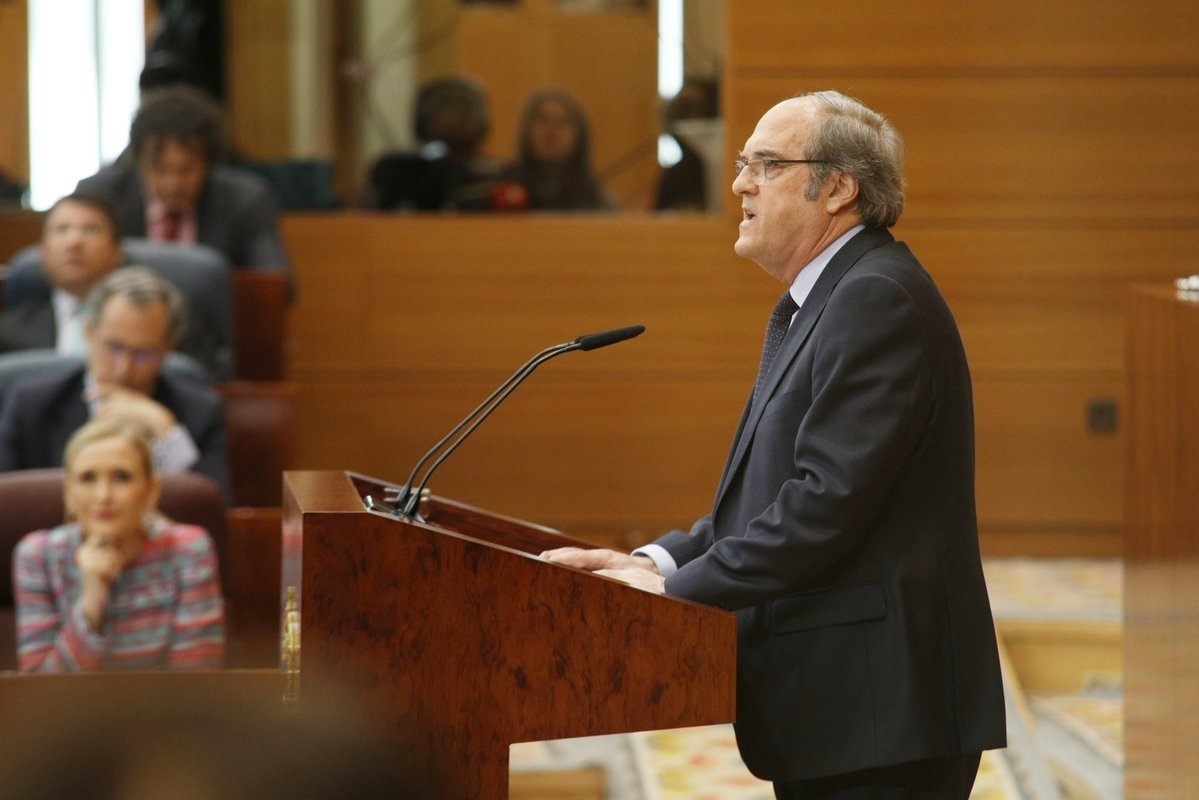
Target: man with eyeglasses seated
(134,320)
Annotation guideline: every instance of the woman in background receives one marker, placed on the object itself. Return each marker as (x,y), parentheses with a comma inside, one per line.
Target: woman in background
(118,586)
(554,165)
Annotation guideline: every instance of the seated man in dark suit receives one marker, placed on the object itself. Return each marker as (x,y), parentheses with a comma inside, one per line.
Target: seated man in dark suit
(169,185)
(134,319)
(80,246)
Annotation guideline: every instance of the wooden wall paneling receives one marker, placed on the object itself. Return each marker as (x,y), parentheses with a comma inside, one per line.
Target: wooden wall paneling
(1019,147)
(407,322)
(1039,470)
(494,286)
(581,452)
(333,260)
(336,425)
(14,89)
(1041,314)
(1034,297)
(441,325)
(934,35)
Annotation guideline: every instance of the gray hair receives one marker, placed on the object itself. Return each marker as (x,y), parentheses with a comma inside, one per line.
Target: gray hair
(859,141)
(143,287)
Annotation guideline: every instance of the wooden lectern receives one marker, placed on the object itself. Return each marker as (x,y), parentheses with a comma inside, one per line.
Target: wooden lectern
(452,630)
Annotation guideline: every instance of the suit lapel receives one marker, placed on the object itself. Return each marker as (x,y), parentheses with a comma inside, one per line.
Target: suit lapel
(797,335)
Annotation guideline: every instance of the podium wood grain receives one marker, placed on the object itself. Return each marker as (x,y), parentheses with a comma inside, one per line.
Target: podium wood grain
(456,633)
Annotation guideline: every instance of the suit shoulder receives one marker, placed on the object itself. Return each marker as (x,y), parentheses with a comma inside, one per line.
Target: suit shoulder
(895,261)
(109,180)
(46,386)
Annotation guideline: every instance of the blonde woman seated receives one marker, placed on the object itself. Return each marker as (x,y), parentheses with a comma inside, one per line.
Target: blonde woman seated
(119,586)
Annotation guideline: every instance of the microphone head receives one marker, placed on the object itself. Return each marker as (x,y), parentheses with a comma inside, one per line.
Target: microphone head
(590,341)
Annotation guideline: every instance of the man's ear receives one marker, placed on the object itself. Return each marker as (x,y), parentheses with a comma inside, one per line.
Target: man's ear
(841,192)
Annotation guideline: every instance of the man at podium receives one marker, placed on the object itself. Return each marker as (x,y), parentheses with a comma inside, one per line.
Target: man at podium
(844,535)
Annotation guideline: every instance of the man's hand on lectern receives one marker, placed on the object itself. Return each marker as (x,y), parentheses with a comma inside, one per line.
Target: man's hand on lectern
(638,571)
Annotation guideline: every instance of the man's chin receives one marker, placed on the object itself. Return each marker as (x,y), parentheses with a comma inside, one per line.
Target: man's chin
(743,247)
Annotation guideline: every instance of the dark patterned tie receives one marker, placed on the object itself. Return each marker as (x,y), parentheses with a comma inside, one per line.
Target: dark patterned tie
(776,330)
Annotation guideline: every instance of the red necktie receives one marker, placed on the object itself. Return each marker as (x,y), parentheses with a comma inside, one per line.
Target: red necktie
(171,222)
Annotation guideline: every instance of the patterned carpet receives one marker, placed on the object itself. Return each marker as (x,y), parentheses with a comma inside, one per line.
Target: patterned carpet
(1055,589)
(1076,738)
(703,764)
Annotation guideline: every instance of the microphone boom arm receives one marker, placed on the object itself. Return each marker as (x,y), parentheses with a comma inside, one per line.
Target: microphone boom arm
(408,499)
(411,500)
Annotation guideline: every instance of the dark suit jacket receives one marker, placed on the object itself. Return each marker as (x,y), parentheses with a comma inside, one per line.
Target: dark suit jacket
(40,414)
(236,214)
(32,325)
(844,535)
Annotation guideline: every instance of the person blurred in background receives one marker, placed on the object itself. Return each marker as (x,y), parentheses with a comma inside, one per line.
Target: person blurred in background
(118,586)
(448,172)
(684,185)
(134,320)
(553,167)
(222,736)
(171,185)
(80,245)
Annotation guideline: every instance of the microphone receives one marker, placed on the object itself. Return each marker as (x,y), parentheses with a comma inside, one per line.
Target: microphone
(594,341)
(410,493)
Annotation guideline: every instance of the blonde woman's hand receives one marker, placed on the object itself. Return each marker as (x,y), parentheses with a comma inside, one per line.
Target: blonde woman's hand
(100,562)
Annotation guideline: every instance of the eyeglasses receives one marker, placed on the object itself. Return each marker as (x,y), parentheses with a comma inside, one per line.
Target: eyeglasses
(760,167)
(141,356)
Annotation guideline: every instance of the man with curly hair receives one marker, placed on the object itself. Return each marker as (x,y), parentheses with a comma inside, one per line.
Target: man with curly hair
(171,184)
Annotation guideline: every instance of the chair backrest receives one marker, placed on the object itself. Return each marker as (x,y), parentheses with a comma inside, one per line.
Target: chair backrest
(260,420)
(32,500)
(21,364)
(200,272)
(260,307)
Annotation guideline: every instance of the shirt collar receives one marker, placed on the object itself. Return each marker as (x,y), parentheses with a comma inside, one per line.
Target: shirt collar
(66,305)
(806,279)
